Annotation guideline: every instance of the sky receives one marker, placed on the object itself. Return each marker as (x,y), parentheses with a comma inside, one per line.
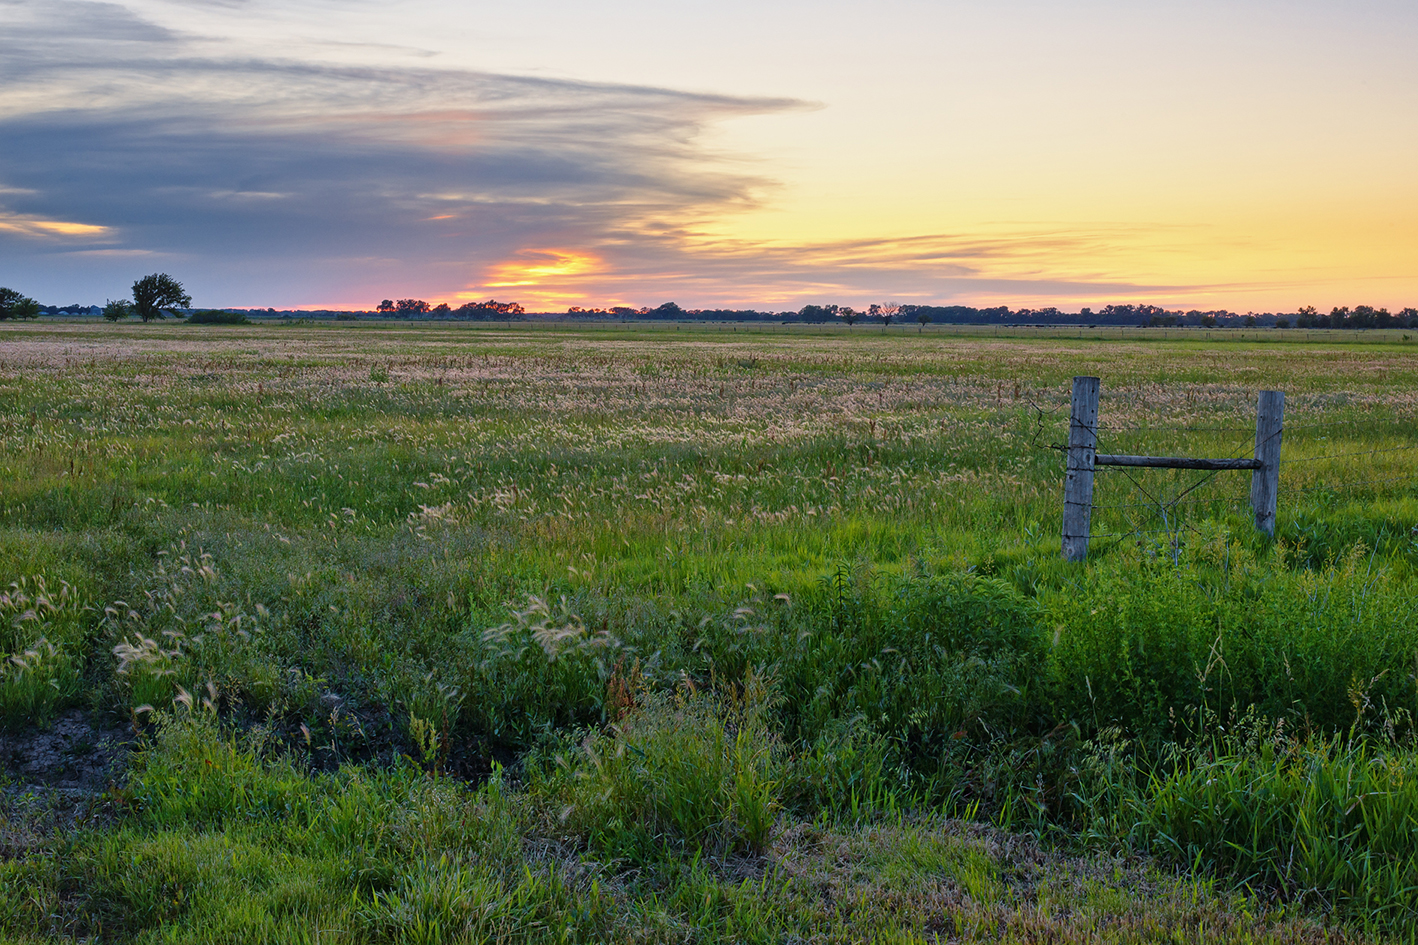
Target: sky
(1254,156)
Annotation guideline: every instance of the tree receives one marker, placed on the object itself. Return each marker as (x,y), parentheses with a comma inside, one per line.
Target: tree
(442,309)
(158,295)
(15,305)
(407,307)
(923,317)
(484,311)
(886,312)
(1366,316)
(117,311)
(818,313)
(849,315)
(386,306)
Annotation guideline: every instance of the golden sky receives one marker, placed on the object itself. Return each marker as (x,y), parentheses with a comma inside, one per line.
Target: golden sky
(1244,155)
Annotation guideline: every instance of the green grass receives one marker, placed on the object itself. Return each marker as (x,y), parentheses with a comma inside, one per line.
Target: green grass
(458,633)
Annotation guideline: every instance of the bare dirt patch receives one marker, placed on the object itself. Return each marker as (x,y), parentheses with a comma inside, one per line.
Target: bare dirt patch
(58,779)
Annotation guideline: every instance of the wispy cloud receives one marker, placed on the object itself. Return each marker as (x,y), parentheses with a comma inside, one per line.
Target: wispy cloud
(347,179)
(1019,264)
(35,228)
(261,180)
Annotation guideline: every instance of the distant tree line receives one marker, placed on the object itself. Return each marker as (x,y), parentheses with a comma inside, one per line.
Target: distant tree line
(75,309)
(1120,315)
(1362,316)
(491,310)
(158,295)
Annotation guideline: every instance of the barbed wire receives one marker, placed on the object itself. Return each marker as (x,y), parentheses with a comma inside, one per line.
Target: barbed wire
(1353,485)
(1291,426)
(1168,508)
(1329,424)
(1239,502)
(1290,430)
(1157,429)
(1132,534)
(1372,452)
(1233,500)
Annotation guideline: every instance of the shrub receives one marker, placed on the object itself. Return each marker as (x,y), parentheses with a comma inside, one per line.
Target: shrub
(680,773)
(116,311)
(541,670)
(942,654)
(215,316)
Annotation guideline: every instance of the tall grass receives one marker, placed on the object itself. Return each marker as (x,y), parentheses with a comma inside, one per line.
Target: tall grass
(326,574)
(1162,648)
(686,772)
(1324,820)
(43,637)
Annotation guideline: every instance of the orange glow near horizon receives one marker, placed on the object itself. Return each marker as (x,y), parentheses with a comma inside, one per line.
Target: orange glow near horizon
(540,265)
(1265,265)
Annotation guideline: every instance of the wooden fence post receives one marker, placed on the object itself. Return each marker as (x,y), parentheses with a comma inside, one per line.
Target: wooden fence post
(1265,480)
(1078,481)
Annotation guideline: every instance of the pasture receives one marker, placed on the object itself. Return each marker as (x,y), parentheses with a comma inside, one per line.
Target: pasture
(444,633)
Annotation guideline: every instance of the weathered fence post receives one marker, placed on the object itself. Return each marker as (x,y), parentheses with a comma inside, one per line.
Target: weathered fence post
(1078,481)
(1265,480)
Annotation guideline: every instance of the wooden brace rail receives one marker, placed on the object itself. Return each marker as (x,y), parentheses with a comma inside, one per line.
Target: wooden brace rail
(1175,462)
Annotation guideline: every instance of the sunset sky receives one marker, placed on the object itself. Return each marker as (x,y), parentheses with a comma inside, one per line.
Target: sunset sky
(331,153)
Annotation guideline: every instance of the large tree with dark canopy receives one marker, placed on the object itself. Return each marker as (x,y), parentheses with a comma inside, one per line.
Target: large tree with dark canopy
(158,295)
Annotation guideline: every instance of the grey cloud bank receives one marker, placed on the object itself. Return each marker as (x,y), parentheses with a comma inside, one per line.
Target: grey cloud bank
(319,181)
(129,147)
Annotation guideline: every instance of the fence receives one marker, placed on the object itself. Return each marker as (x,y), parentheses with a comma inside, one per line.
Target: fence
(1084,458)
(1366,456)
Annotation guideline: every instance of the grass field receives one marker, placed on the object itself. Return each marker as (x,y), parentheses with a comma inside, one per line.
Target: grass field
(349,633)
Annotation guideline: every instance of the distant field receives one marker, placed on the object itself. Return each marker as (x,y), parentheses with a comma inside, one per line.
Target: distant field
(370,632)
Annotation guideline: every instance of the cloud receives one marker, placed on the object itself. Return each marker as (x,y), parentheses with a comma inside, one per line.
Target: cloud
(277,181)
(35,28)
(329,175)
(1019,265)
(35,228)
